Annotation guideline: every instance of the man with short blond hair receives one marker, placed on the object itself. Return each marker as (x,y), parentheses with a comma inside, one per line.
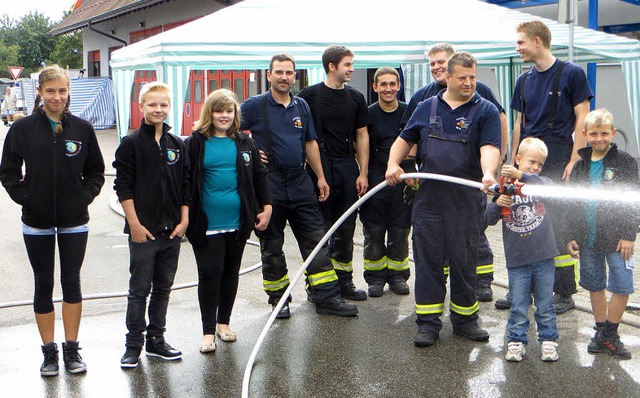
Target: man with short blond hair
(552,100)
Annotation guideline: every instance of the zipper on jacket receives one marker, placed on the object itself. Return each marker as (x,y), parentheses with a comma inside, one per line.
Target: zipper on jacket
(55,179)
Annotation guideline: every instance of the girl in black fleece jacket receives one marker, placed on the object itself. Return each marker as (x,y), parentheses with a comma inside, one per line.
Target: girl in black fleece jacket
(64,173)
(229,198)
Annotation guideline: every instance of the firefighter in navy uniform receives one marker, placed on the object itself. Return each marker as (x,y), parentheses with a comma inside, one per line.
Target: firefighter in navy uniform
(385,214)
(438,56)
(281,124)
(458,134)
(340,116)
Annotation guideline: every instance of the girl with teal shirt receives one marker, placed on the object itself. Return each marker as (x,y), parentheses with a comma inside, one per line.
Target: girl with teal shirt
(230,198)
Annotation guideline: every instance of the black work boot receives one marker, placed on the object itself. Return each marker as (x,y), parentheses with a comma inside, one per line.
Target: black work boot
(337,306)
(472,332)
(425,338)
(72,360)
(562,303)
(503,303)
(376,289)
(349,291)
(49,366)
(483,291)
(399,287)
(284,313)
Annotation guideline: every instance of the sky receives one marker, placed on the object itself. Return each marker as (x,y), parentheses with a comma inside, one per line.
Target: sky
(50,8)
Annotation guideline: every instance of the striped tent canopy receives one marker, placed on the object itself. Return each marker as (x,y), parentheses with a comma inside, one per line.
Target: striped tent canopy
(247,34)
(91,99)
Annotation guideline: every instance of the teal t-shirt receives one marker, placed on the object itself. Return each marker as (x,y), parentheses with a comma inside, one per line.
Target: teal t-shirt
(53,124)
(220,198)
(591,211)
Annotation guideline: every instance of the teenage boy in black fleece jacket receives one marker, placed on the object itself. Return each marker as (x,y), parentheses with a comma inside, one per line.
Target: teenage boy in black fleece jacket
(152,184)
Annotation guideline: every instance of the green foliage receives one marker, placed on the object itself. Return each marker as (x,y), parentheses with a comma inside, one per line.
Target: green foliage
(68,51)
(27,43)
(8,57)
(36,45)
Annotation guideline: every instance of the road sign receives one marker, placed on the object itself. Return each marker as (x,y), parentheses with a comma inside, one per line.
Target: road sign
(15,71)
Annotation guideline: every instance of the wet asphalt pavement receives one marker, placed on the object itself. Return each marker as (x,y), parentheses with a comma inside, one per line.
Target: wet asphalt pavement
(309,355)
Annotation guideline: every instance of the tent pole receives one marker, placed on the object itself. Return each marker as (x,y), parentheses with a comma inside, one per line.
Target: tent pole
(571,14)
(592,66)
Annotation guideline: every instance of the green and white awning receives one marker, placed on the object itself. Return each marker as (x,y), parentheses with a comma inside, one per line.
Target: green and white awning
(219,41)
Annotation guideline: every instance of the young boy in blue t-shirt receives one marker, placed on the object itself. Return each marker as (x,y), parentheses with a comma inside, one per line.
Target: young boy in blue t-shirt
(604,231)
(530,248)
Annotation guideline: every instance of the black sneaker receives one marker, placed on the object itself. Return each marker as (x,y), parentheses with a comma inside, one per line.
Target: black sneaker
(562,303)
(503,303)
(349,292)
(399,287)
(337,306)
(157,347)
(484,292)
(425,338)
(72,360)
(49,366)
(376,289)
(284,313)
(612,344)
(474,333)
(130,358)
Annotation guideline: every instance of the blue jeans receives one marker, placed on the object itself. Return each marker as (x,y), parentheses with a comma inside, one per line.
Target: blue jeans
(593,272)
(539,276)
(152,264)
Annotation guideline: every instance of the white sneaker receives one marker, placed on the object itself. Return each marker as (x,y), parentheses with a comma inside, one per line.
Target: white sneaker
(515,351)
(549,353)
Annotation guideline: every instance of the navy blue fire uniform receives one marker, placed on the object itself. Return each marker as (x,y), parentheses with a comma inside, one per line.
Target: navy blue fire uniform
(337,114)
(385,213)
(484,267)
(282,136)
(448,218)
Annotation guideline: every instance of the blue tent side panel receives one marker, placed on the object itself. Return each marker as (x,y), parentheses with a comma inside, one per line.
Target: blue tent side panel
(93,100)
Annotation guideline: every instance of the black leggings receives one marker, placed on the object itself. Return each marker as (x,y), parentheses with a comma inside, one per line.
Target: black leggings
(41,252)
(218,274)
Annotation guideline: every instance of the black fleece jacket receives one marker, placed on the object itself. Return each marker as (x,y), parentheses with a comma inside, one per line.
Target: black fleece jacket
(614,221)
(253,186)
(155,175)
(63,172)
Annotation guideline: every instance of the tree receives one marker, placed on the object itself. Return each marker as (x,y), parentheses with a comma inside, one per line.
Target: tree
(8,57)
(68,50)
(36,45)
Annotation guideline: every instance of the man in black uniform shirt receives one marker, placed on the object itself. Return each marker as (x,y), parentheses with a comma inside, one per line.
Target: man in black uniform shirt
(385,213)
(340,116)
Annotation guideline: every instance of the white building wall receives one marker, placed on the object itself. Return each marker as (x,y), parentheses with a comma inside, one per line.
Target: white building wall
(161,15)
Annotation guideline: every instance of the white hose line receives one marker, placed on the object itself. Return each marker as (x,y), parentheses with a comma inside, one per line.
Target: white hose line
(247,372)
(98,296)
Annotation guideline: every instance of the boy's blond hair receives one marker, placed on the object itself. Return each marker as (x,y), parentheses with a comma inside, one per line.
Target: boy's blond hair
(154,87)
(598,118)
(533,144)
